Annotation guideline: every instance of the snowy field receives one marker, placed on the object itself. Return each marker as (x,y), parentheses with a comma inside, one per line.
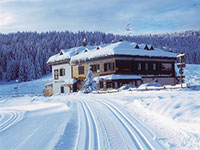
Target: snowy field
(29,87)
(156,119)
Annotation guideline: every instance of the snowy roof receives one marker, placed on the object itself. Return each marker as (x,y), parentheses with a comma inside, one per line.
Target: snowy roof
(117,77)
(83,53)
(122,48)
(66,54)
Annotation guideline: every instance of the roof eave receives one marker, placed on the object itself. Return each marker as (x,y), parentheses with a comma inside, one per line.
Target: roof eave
(59,62)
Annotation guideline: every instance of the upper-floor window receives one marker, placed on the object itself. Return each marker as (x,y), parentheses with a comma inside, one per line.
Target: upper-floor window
(56,74)
(166,66)
(81,70)
(146,66)
(62,72)
(109,66)
(139,66)
(154,66)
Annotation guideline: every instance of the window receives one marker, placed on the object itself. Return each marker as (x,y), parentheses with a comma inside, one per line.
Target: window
(166,66)
(101,84)
(106,67)
(143,66)
(154,66)
(109,66)
(112,66)
(108,84)
(81,70)
(56,74)
(62,72)
(134,66)
(146,66)
(95,67)
(62,89)
(139,66)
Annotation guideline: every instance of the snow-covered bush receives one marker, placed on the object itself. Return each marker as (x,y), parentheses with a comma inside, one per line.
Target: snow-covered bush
(149,85)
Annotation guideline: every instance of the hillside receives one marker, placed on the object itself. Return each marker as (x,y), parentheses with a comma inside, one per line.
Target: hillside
(23,55)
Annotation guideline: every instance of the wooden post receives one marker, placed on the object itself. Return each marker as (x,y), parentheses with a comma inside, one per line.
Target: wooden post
(181,64)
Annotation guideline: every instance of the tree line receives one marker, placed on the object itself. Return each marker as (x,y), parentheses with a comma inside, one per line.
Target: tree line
(23,55)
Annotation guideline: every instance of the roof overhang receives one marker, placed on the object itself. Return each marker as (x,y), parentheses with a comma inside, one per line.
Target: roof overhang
(59,62)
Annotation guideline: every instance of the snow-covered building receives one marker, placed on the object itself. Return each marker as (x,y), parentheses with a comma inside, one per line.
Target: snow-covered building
(62,70)
(113,65)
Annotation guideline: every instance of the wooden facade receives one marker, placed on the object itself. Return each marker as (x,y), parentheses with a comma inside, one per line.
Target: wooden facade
(149,68)
(78,74)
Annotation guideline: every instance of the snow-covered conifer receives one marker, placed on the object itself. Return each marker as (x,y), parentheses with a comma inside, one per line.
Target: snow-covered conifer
(90,84)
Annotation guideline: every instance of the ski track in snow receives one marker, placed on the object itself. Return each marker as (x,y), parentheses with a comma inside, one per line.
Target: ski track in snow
(137,136)
(94,125)
(102,133)
(92,135)
(9,118)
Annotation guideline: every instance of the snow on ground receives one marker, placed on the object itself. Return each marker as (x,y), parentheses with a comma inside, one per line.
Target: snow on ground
(192,73)
(173,115)
(155,119)
(169,119)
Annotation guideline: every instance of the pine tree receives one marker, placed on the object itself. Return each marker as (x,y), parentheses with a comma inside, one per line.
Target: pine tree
(11,70)
(22,71)
(30,70)
(90,84)
(38,71)
(1,72)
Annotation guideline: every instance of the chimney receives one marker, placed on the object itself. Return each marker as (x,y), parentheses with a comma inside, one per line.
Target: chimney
(61,53)
(146,47)
(137,47)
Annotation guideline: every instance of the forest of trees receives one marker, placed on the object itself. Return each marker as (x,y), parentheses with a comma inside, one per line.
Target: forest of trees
(23,55)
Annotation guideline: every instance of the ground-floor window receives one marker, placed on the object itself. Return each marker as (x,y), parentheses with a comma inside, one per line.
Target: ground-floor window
(62,89)
(95,67)
(81,70)
(108,84)
(101,84)
(115,84)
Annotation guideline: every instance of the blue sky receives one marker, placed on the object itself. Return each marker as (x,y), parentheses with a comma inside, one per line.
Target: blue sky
(110,16)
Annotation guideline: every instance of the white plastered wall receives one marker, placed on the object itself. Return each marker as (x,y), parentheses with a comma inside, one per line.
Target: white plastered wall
(57,84)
